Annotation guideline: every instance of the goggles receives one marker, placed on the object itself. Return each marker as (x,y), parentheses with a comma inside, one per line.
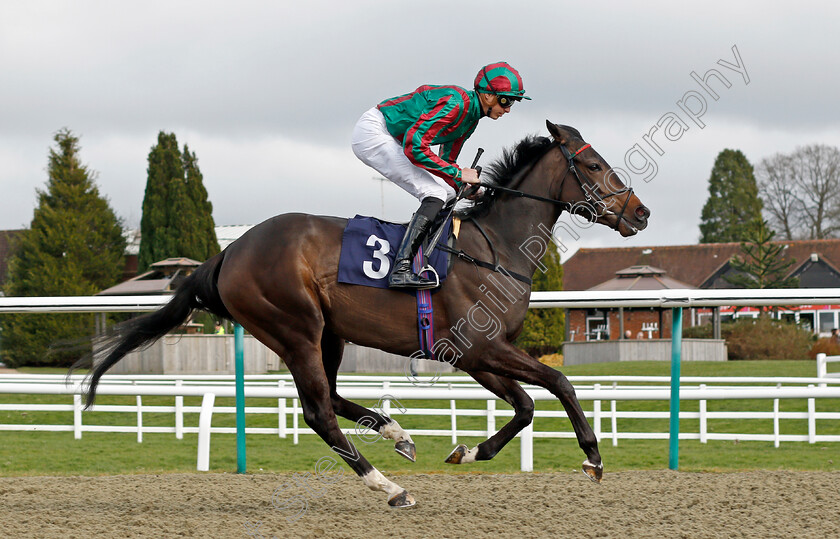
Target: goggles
(506,101)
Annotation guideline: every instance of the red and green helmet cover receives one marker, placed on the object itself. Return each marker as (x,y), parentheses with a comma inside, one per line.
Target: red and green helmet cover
(500,79)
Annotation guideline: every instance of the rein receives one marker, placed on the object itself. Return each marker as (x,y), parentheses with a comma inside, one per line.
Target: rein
(494,266)
(586,185)
(589,188)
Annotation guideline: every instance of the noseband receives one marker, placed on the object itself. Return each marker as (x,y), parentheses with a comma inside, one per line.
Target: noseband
(590,190)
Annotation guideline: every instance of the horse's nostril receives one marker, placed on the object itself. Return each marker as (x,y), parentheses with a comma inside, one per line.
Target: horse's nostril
(642,212)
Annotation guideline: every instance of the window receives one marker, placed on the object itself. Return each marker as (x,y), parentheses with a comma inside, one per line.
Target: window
(827,322)
(788,317)
(597,328)
(806,321)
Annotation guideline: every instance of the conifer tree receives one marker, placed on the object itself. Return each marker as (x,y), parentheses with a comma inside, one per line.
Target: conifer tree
(760,263)
(543,329)
(74,247)
(733,202)
(177,215)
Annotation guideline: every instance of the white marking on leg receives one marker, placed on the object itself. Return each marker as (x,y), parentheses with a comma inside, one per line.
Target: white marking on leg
(376,481)
(393,431)
(470,455)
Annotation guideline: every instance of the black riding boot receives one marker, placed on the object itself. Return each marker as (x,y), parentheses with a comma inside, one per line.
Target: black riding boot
(415,234)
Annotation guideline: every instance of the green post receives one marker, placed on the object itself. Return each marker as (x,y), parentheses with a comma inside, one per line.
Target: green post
(676,354)
(239,359)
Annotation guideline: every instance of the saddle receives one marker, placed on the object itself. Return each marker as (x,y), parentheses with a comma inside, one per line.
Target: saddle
(368,249)
(368,246)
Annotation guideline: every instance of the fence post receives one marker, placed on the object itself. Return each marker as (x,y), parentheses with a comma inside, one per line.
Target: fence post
(386,404)
(139,419)
(239,359)
(453,413)
(281,412)
(205,419)
(526,448)
(295,429)
(776,438)
(77,417)
(676,356)
(812,420)
(614,419)
(179,413)
(704,428)
(822,368)
(491,417)
(596,414)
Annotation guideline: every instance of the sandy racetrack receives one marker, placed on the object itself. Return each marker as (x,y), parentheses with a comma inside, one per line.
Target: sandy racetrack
(627,504)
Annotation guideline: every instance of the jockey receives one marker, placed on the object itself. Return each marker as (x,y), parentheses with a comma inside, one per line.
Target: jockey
(395,138)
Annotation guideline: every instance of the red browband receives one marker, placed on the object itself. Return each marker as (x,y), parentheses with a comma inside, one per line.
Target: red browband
(581,149)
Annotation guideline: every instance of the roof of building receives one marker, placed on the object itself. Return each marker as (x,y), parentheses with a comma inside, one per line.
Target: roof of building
(149,287)
(163,278)
(699,266)
(227,234)
(180,262)
(640,278)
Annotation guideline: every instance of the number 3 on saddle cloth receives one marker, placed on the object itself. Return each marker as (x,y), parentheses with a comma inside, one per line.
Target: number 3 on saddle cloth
(367,256)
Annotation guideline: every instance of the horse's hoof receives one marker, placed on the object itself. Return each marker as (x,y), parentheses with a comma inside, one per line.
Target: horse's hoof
(593,471)
(403,499)
(406,449)
(457,455)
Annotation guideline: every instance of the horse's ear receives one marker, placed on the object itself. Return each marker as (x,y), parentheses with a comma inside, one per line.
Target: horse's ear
(556,132)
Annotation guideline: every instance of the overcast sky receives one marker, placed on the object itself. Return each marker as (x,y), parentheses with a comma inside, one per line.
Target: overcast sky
(267,93)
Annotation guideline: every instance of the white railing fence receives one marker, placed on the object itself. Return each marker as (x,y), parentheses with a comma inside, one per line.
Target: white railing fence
(598,393)
(822,366)
(604,392)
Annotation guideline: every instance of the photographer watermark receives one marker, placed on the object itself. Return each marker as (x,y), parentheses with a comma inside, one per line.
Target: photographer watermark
(500,292)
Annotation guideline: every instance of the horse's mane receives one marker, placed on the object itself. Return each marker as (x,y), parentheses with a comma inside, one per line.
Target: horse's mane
(502,172)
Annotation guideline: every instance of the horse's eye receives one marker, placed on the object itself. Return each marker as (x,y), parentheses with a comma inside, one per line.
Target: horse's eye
(594,166)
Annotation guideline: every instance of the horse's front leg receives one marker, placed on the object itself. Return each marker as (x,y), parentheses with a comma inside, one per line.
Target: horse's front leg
(332,349)
(504,359)
(523,413)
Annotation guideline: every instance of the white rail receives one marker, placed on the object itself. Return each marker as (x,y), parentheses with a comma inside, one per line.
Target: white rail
(577,299)
(650,298)
(822,366)
(457,389)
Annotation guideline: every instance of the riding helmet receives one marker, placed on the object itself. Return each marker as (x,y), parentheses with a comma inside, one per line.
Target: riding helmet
(500,79)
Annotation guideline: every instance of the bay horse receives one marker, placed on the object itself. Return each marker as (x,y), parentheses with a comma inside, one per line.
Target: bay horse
(279,282)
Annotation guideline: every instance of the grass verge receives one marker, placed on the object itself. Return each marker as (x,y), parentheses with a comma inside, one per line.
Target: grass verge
(58,453)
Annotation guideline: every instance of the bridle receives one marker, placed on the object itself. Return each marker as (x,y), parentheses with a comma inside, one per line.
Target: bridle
(589,189)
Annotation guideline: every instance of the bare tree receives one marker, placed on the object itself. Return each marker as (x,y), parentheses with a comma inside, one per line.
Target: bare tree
(778,194)
(801,192)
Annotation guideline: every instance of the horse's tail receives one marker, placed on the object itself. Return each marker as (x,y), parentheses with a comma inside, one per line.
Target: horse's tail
(198,291)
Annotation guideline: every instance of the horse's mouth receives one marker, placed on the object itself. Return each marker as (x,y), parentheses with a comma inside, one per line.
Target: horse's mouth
(629,226)
(627,230)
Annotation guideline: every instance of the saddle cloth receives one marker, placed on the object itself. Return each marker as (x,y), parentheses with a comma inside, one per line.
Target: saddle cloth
(368,248)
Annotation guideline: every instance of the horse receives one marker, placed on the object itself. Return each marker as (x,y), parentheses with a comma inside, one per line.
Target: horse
(279,281)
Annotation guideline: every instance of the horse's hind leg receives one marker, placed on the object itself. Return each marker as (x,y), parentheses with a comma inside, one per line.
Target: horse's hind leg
(332,348)
(523,413)
(293,338)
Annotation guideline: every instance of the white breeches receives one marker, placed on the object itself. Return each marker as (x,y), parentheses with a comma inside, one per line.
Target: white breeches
(377,148)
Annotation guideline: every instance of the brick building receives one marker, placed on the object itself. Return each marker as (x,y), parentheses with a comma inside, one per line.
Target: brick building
(816,264)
